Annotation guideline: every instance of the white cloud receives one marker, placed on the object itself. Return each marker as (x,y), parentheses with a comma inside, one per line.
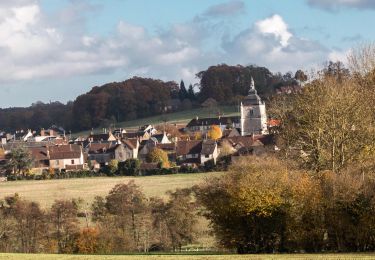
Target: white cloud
(34,46)
(275,25)
(269,43)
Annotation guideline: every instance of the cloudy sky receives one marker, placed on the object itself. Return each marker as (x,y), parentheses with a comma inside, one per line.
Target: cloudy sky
(54,50)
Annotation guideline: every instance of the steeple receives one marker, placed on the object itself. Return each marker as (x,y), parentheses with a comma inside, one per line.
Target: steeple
(252,87)
(253,113)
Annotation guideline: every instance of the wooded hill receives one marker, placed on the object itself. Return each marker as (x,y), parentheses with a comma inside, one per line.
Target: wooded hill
(142,97)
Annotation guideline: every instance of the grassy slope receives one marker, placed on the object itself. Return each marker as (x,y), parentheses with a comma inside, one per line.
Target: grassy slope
(170,257)
(46,191)
(177,117)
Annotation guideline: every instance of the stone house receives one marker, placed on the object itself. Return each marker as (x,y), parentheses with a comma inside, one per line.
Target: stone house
(66,157)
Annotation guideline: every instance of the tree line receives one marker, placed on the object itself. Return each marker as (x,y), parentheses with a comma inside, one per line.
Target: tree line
(123,221)
(141,97)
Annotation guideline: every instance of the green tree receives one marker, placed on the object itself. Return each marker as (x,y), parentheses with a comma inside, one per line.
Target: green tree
(191,93)
(130,167)
(19,161)
(183,93)
(113,166)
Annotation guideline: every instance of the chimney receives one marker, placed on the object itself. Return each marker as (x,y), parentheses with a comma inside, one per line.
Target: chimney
(196,118)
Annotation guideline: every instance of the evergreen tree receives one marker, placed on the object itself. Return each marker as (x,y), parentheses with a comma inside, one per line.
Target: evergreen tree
(191,93)
(182,94)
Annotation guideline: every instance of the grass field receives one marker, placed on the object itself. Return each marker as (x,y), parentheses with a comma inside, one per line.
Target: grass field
(177,117)
(201,257)
(47,191)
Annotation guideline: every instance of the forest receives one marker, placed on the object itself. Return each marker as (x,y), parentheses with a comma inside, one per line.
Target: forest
(139,97)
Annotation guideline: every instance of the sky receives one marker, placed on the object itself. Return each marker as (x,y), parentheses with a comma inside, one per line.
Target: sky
(55,50)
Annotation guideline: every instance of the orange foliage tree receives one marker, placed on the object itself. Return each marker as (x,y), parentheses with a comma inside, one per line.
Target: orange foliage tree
(215,132)
(87,242)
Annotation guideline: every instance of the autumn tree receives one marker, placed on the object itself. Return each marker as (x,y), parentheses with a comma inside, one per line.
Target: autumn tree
(248,205)
(87,241)
(327,125)
(174,221)
(157,155)
(124,213)
(215,132)
(27,225)
(63,217)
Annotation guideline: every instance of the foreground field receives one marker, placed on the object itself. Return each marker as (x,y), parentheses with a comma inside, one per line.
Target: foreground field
(183,257)
(47,191)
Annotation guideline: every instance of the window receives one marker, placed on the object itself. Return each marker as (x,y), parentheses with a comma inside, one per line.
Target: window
(72,161)
(207,156)
(251,112)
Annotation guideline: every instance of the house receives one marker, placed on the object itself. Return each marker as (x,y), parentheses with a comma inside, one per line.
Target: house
(131,147)
(146,147)
(196,152)
(149,129)
(231,132)
(66,157)
(53,131)
(153,141)
(40,157)
(162,138)
(209,151)
(251,145)
(136,135)
(204,124)
(104,137)
(188,152)
(119,132)
(103,153)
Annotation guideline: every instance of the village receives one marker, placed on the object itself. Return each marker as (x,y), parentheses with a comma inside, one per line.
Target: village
(202,144)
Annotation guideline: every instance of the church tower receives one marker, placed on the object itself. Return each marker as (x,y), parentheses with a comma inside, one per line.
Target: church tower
(253,113)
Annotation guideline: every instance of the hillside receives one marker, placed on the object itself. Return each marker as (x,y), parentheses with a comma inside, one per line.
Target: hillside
(181,117)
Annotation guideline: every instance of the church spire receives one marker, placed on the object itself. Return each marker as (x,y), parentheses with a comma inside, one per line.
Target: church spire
(252,87)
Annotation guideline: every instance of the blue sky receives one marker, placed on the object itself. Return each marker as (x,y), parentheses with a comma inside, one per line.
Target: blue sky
(54,50)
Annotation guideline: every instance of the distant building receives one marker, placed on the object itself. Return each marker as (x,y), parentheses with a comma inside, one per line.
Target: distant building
(66,157)
(204,124)
(253,113)
(196,152)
